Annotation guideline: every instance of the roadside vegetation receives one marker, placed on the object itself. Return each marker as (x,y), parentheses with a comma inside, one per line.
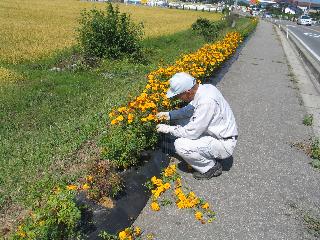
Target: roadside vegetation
(315,153)
(313,224)
(308,120)
(55,114)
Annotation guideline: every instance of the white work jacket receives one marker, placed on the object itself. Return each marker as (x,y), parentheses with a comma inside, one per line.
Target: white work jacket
(209,114)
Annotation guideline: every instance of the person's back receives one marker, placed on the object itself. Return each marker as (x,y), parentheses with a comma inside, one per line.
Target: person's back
(223,123)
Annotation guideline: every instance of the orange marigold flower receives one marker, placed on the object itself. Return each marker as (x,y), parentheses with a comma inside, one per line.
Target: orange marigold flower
(205,206)
(198,215)
(155,206)
(89,178)
(72,187)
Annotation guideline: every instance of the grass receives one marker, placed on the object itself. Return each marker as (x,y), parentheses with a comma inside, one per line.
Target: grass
(36,28)
(308,120)
(50,121)
(46,119)
(315,153)
(313,224)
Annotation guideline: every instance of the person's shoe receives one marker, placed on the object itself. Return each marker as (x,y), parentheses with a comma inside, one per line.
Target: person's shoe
(215,171)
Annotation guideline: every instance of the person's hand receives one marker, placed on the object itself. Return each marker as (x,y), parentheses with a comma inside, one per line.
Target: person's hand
(163,116)
(163,128)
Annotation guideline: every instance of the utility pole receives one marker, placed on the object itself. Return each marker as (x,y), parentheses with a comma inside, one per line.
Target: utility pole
(309,6)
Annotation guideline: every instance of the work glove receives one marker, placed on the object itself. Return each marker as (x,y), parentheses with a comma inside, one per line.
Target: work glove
(163,128)
(163,115)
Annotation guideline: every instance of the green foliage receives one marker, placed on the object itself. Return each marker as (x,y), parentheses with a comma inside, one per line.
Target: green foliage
(54,114)
(246,25)
(313,224)
(108,236)
(57,218)
(308,120)
(109,34)
(122,145)
(315,153)
(209,30)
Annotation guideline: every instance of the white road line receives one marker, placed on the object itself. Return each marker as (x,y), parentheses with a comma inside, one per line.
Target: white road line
(306,46)
(310,29)
(311,34)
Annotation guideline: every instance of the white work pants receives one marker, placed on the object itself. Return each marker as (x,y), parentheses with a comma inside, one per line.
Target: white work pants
(202,153)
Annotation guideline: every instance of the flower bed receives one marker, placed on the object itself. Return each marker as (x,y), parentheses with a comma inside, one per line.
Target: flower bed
(133,125)
(132,130)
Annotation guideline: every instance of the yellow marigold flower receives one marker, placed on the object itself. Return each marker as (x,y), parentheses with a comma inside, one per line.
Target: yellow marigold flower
(122,109)
(114,121)
(180,204)
(155,206)
(137,231)
(85,186)
(89,178)
(130,117)
(205,206)
(72,187)
(153,179)
(178,191)
(122,235)
(119,118)
(198,215)
(166,186)
(192,195)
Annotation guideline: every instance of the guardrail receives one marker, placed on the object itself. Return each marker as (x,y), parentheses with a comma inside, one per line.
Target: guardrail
(307,54)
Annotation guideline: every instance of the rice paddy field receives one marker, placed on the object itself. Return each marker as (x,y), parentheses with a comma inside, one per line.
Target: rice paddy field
(30,29)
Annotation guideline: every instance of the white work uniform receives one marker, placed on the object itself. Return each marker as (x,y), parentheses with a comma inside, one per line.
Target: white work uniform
(201,139)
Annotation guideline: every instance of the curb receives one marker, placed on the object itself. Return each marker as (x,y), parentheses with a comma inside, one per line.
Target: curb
(313,64)
(309,88)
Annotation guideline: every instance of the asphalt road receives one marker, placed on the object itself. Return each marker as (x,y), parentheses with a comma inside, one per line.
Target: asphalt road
(309,36)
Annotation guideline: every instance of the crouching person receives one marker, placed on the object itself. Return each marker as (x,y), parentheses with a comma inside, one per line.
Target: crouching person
(210,132)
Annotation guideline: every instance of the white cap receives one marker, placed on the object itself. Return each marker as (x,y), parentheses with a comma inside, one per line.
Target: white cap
(179,83)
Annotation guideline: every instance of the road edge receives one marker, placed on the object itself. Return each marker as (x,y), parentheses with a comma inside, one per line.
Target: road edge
(308,88)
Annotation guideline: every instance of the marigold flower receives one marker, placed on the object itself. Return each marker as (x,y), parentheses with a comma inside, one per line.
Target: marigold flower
(72,187)
(85,186)
(122,235)
(205,206)
(155,206)
(166,186)
(114,121)
(198,215)
(137,231)
(89,178)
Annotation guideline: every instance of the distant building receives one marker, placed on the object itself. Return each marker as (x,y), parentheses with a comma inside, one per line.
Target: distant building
(289,10)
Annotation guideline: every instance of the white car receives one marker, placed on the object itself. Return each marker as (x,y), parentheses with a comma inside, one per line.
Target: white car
(304,20)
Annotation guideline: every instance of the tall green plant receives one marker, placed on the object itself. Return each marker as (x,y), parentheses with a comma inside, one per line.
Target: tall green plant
(109,33)
(209,30)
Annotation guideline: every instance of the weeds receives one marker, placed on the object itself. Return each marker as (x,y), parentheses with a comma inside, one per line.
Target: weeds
(308,120)
(315,153)
(313,224)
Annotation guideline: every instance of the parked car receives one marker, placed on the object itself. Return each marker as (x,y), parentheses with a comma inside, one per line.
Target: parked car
(304,20)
